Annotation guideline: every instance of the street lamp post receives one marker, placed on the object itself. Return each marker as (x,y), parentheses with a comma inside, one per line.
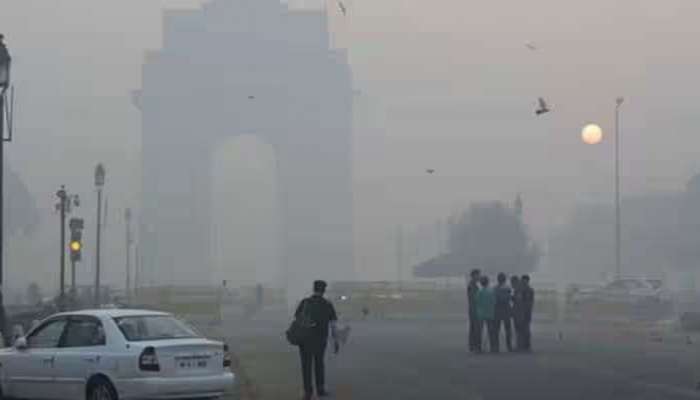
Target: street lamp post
(127,220)
(618,228)
(593,134)
(99,184)
(5,61)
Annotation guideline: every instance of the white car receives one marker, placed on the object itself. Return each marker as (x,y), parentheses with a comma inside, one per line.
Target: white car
(636,291)
(114,355)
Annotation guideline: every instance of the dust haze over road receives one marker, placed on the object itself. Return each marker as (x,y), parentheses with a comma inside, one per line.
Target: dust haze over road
(388,147)
(428,359)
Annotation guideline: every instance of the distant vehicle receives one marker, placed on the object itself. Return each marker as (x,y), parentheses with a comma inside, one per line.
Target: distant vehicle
(114,354)
(634,291)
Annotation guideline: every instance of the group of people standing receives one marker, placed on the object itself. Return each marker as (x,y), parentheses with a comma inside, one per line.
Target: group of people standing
(503,305)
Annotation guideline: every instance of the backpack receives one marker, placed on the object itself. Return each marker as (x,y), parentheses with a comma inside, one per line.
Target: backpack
(301,327)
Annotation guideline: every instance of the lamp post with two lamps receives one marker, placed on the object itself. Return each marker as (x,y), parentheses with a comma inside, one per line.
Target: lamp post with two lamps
(5,62)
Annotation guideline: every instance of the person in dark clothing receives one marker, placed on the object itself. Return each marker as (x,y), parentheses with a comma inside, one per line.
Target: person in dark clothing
(486,310)
(517,310)
(528,302)
(474,323)
(503,315)
(322,313)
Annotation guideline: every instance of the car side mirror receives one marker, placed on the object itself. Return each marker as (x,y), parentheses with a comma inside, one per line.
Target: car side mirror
(21,343)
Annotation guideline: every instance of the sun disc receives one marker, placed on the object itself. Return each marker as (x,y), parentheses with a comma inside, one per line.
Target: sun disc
(592,134)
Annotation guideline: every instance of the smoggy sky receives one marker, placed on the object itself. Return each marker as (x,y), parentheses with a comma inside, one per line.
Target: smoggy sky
(450,85)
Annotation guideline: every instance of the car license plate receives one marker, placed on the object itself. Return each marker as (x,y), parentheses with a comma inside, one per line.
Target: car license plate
(192,364)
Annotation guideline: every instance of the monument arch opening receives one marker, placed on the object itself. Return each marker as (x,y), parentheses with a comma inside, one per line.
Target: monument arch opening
(246,232)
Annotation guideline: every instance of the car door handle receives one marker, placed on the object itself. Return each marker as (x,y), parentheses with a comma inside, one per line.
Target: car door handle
(89,359)
(49,360)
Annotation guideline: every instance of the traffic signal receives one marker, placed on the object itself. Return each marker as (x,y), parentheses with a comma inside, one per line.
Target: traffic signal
(75,245)
(76,239)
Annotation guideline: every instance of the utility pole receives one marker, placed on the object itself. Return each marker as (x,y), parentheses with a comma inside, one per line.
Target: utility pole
(99,184)
(127,220)
(62,245)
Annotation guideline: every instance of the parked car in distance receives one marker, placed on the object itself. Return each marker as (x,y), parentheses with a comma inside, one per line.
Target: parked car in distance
(112,354)
(634,291)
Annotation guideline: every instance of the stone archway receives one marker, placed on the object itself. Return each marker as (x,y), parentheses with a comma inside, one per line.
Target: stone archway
(249,66)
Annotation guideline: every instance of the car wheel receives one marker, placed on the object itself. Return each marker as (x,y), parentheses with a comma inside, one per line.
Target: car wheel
(101,389)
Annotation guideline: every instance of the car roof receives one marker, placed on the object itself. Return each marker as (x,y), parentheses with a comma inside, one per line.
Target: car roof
(113,313)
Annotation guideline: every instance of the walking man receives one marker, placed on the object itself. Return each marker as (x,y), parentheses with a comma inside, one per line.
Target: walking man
(474,325)
(504,296)
(322,313)
(486,310)
(528,302)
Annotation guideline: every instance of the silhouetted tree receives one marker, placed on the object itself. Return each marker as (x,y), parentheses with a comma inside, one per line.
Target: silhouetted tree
(21,214)
(684,249)
(492,236)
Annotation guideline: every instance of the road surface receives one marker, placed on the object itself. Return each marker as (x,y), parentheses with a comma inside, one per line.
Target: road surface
(427,360)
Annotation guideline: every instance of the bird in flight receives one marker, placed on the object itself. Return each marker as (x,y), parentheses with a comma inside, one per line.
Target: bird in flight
(543,108)
(251,97)
(430,170)
(342,7)
(531,46)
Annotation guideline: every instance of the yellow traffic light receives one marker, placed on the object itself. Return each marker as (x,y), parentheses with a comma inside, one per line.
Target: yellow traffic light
(76,245)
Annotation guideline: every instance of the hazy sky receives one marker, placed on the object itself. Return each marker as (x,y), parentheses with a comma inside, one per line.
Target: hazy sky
(450,84)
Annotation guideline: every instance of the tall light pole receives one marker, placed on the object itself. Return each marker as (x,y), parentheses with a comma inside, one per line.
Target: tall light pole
(618,228)
(5,61)
(99,184)
(127,220)
(593,134)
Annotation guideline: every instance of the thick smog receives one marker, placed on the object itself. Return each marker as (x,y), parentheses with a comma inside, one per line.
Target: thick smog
(346,199)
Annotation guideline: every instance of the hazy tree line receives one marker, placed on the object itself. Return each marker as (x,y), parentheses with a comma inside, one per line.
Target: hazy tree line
(492,236)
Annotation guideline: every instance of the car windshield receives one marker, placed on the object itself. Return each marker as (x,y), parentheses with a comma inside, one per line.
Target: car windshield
(154,327)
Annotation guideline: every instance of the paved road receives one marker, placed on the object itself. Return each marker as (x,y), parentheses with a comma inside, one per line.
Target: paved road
(420,360)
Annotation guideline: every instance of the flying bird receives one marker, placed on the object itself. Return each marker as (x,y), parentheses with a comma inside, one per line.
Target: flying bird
(543,108)
(251,97)
(430,170)
(342,7)
(531,46)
